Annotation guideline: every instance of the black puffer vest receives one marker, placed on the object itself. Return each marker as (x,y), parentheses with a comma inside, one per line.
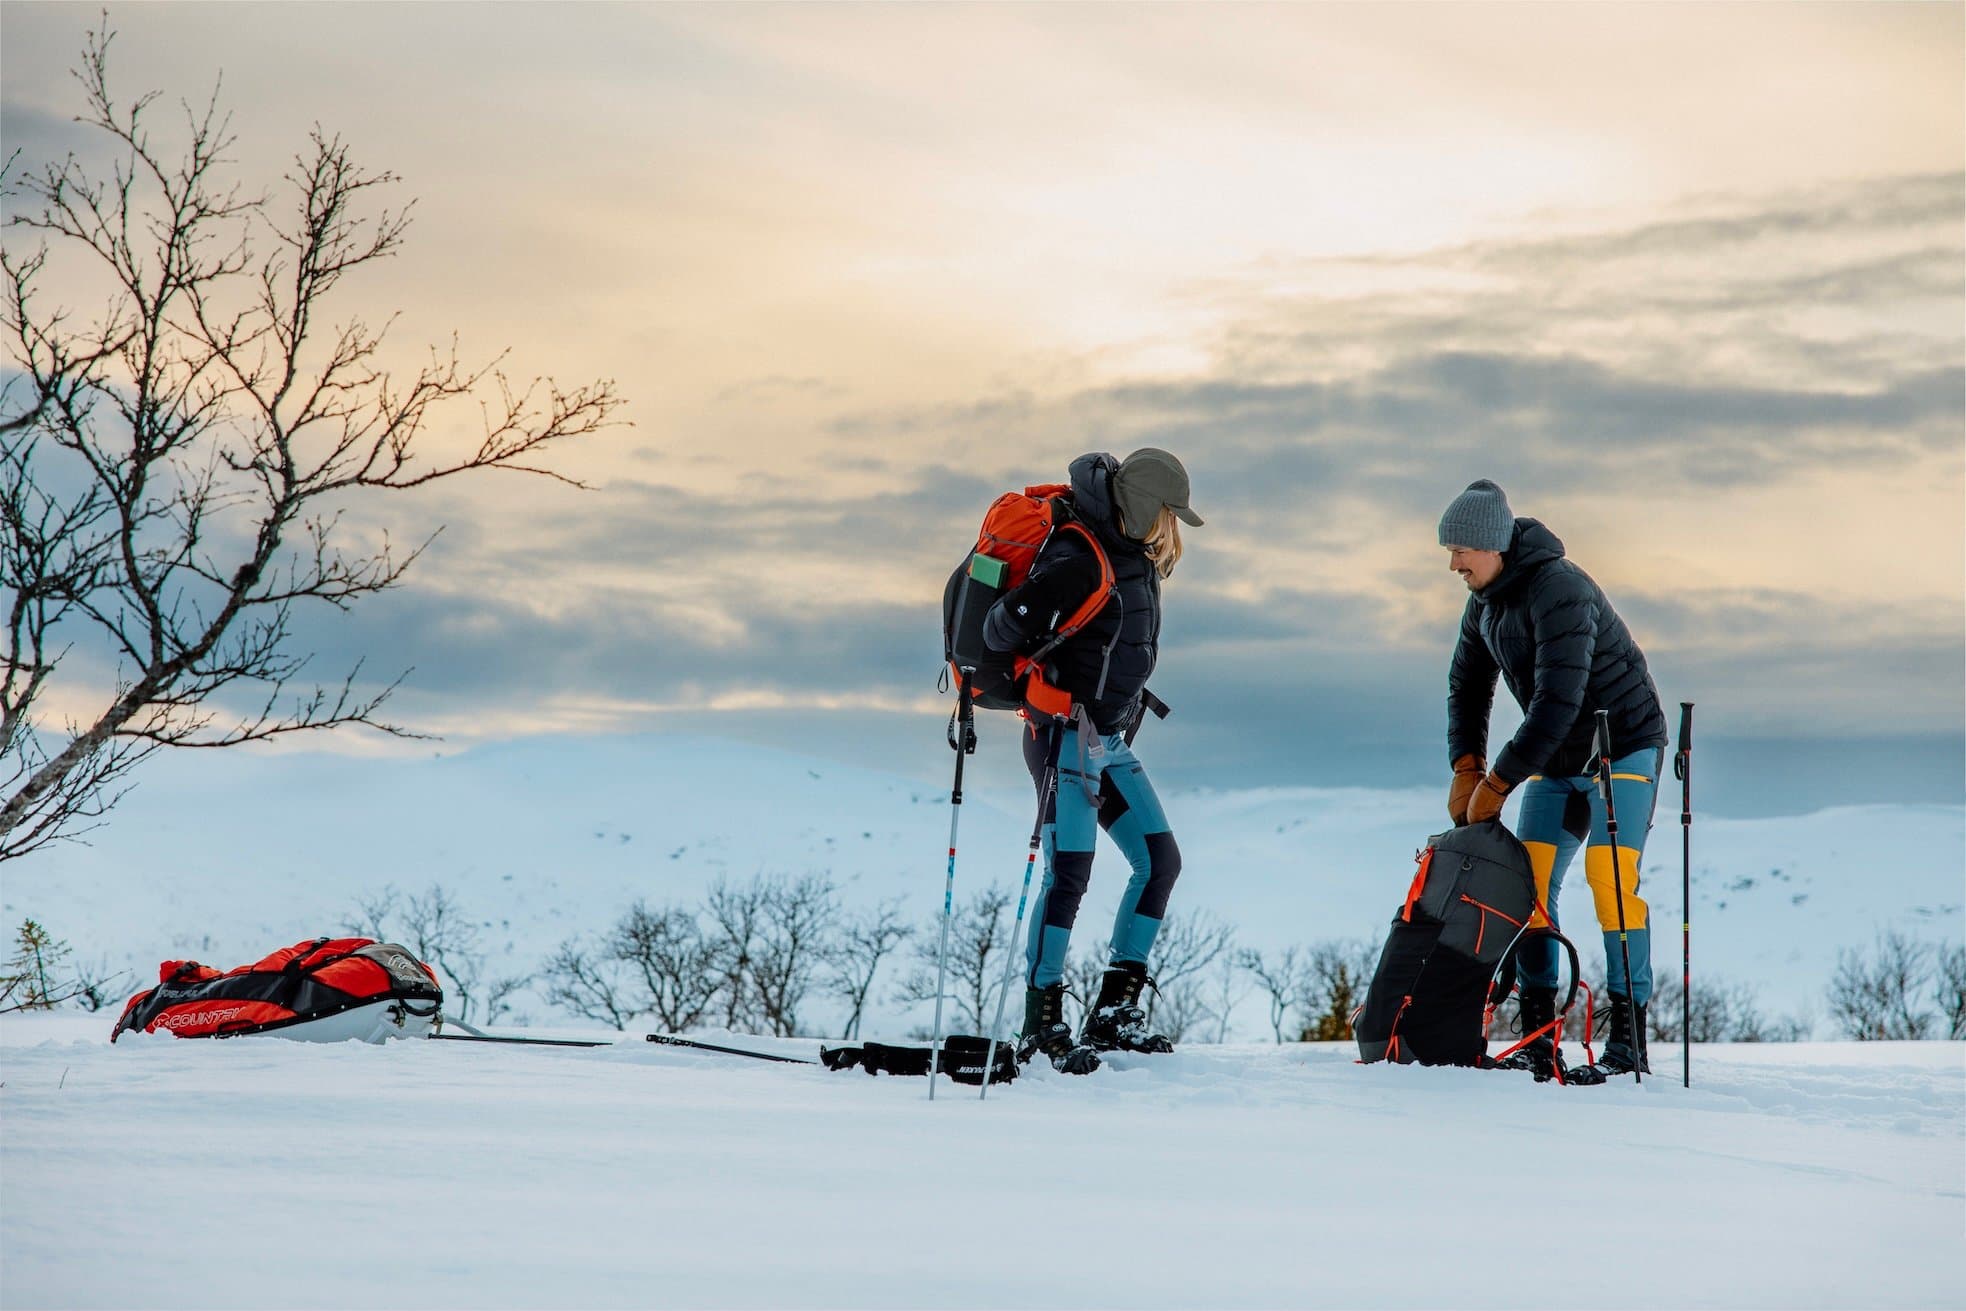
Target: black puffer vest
(1130,623)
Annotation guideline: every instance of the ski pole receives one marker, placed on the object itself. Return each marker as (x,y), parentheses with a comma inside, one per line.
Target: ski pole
(1045,789)
(1682,766)
(666,1040)
(519,1042)
(962,737)
(1618,880)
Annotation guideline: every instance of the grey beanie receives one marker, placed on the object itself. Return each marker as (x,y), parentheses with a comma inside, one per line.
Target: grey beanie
(1479,518)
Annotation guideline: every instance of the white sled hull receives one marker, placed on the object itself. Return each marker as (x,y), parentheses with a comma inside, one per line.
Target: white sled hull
(378,1021)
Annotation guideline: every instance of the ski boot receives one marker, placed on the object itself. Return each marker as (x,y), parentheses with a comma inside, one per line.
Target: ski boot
(1539,1057)
(1045,1031)
(1115,1022)
(1624,1048)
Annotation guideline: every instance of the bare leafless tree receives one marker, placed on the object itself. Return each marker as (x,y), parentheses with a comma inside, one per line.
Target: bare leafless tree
(174,469)
(863,941)
(1226,990)
(1282,977)
(736,919)
(1950,979)
(101,984)
(436,928)
(676,965)
(1722,1011)
(592,987)
(979,934)
(799,915)
(1186,948)
(1879,996)
(375,913)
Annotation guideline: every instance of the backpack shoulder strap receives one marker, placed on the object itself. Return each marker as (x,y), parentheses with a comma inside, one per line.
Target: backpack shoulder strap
(1096,601)
(1093,603)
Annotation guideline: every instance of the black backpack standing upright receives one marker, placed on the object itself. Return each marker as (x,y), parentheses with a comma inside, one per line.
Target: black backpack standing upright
(1465,914)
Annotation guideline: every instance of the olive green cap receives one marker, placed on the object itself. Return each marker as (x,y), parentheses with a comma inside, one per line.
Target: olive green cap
(1148,479)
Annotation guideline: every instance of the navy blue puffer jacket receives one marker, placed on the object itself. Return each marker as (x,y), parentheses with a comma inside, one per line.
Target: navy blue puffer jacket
(1547,628)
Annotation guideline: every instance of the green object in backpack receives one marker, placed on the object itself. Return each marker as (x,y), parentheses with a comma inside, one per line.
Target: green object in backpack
(988,570)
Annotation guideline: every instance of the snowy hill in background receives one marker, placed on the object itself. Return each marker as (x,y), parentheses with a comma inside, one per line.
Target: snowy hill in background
(256,1172)
(223,857)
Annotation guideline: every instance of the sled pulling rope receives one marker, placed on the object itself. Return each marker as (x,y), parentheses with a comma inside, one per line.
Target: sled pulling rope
(523,1042)
(668,1041)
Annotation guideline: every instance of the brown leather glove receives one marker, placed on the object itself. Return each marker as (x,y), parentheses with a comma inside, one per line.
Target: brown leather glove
(1486,802)
(1467,772)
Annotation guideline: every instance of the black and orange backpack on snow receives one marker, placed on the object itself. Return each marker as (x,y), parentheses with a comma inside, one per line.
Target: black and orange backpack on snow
(1015,529)
(1450,954)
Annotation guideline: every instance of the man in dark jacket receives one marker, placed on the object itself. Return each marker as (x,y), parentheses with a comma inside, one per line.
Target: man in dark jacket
(1131,508)
(1539,622)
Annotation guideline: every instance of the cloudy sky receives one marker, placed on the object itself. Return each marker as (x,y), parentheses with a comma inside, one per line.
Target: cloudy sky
(1689,282)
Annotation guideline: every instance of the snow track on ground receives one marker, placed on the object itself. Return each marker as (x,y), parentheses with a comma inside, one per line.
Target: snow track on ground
(254,1172)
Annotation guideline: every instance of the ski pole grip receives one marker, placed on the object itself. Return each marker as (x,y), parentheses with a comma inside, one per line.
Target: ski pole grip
(1686,726)
(1603,738)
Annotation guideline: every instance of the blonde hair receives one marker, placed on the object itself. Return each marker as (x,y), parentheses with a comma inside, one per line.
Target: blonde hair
(1164,542)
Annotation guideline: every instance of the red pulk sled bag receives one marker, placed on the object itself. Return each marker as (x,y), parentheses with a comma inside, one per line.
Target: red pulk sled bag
(1465,915)
(322,990)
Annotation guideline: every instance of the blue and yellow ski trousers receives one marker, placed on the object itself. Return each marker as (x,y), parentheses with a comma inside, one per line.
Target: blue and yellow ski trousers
(1557,816)
(1101,785)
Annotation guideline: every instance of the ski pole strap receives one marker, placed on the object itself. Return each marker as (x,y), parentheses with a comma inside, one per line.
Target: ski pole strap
(962,720)
(1149,703)
(1682,761)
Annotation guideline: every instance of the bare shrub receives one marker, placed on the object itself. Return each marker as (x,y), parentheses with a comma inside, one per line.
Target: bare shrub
(435,928)
(668,954)
(736,916)
(1950,980)
(1282,977)
(1722,1011)
(979,934)
(1225,989)
(1876,995)
(862,943)
(792,947)
(1186,949)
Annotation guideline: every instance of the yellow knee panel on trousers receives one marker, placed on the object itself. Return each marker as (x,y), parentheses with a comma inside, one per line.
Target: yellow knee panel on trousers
(1542,859)
(1597,869)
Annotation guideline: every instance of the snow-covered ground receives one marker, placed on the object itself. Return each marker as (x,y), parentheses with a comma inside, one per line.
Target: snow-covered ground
(258,1172)
(226,857)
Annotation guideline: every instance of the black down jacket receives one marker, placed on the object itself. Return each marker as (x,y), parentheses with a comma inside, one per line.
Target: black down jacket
(1565,654)
(1063,576)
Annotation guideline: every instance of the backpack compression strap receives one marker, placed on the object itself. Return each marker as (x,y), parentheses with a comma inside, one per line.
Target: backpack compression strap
(1503,983)
(1038,694)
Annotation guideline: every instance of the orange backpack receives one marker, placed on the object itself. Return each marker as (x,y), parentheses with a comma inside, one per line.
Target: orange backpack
(1015,528)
